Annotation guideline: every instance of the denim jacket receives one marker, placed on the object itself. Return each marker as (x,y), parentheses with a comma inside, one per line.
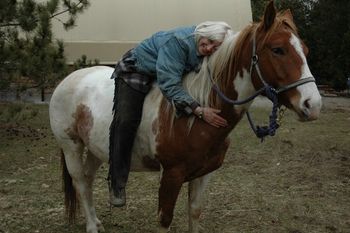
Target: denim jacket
(169,55)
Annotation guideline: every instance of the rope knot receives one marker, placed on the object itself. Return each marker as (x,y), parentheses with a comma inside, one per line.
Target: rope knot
(263,131)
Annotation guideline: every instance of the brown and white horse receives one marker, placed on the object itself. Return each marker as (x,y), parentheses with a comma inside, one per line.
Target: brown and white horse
(187,149)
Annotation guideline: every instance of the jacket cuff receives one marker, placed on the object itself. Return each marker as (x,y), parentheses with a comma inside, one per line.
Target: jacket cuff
(183,108)
(194,105)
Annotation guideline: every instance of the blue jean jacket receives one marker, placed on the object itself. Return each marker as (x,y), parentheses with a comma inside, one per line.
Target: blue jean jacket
(169,55)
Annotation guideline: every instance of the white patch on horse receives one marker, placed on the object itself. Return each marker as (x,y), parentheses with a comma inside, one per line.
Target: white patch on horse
(72,92)
(100,101)
(295,42)
(244,87)
(308,91)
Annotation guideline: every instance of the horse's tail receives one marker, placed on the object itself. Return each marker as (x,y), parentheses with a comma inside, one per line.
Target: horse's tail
(70,198)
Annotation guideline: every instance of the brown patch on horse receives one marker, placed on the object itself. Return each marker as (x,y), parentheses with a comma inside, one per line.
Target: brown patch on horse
(82,125)
(195,152)
(185,155)
(152,164)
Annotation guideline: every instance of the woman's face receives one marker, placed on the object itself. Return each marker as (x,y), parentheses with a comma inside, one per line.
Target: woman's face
(207,47)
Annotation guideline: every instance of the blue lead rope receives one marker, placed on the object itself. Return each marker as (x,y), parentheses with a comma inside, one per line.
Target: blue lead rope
(263,131)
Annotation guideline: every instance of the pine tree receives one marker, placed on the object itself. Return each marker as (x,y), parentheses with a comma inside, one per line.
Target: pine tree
(258,7)
(27,47)
(330,42)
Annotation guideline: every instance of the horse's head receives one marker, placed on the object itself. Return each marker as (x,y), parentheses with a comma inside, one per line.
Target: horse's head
(281,56)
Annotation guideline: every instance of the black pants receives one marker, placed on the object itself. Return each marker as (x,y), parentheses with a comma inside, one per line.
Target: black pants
(128,104)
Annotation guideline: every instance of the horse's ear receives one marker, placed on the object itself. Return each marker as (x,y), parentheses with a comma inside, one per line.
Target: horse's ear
(269,15)
(288,14)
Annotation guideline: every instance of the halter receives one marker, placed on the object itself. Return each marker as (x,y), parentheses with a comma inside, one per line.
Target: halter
(270,92)
(254,64)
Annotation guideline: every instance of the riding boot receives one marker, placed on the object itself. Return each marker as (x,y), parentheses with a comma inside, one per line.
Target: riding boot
(128,106)
(117,198)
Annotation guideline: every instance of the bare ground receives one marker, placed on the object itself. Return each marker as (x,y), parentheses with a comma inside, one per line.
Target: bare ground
(295,182)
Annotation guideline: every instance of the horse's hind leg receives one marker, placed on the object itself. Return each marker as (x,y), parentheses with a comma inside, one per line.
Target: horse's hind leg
(82,181)
(91,165)
(196,189)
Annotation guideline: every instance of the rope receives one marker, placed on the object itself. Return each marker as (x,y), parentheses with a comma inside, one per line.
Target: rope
(260,131)
(238,102)
(263,131)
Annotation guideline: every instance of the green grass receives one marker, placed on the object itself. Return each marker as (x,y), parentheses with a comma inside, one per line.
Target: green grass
(295,182)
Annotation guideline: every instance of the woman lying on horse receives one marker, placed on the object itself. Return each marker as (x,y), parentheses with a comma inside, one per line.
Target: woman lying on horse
(164,57)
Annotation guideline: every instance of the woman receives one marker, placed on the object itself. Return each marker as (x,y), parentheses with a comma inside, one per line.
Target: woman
(164,57)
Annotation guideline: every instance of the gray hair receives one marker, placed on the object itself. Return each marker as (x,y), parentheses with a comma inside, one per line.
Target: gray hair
(213,30)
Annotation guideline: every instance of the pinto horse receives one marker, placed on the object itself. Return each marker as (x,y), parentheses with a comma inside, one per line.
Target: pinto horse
(186,149)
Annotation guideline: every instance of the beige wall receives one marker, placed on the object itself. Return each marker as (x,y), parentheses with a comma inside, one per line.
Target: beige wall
(110,27)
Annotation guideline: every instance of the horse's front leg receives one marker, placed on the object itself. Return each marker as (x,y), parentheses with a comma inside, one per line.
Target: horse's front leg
(196,190)
(170,185)
(197,186)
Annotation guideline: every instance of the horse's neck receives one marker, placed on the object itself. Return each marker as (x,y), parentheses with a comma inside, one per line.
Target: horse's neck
(234,80)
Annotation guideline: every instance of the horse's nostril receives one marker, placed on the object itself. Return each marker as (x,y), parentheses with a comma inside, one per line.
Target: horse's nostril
(307,104)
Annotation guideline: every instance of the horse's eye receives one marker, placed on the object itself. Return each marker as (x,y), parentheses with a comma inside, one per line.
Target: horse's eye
(278,51)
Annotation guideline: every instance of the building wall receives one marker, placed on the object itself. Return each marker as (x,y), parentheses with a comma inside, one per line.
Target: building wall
(108,28)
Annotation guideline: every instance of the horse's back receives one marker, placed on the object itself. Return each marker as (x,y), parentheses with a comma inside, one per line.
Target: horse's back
(81,108)
(81,113)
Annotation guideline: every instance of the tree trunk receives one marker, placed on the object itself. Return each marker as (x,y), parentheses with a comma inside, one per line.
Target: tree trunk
(42,94)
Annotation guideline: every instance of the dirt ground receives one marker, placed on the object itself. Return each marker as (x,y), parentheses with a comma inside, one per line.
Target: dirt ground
(295,182)
(336,102)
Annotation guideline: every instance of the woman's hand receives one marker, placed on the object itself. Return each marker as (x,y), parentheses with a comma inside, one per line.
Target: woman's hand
(210,115)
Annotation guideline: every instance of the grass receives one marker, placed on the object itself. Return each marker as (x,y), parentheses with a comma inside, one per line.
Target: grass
(295,182)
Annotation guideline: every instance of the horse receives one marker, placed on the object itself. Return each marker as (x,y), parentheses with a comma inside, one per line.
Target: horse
(186,148)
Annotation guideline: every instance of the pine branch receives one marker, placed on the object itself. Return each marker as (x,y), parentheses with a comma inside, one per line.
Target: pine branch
(66,10)
(16,24)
